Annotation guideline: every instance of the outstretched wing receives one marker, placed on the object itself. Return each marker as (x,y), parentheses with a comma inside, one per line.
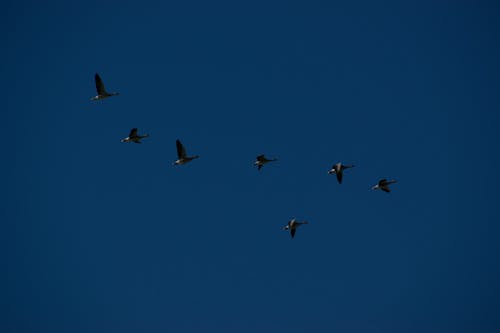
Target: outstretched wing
(382,182)
(292,232)
(133,133)
(181,151)
(385,189)
(261,158)
(339,176)
(99,85)
(259,167)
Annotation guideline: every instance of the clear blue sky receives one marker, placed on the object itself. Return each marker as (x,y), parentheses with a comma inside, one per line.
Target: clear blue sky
(103,236)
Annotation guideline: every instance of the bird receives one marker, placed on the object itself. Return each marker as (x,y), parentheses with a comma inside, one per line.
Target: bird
(182,157)
(292,225)
(134,137)
(261,160)
(338,169)
(101,91)
(383,185)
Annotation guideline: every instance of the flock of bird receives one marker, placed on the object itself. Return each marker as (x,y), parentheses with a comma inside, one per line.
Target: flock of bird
(183,158)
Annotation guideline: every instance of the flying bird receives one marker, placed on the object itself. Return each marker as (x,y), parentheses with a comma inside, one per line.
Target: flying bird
(261,160)
(383,185)
(101,91)
(134,137)
(182,157)
(292,225)
(338,169)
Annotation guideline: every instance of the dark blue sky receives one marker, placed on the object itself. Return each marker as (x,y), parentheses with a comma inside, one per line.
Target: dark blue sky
(103,236)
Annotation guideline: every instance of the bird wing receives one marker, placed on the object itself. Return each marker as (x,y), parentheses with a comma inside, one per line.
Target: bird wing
(292,232)
(385,189)
(181,151)
(259,167)
(382,182)
(133,133)
(261,158)
(99,85)
(339,176)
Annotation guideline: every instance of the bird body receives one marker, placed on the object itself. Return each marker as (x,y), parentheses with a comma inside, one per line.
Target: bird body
(134,137)
(338,170)
(292,225)
(182,157)
(261,160)
(383,185)
(101,91)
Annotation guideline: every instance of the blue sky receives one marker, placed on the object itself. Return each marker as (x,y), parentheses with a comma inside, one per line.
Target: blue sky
(103,236)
